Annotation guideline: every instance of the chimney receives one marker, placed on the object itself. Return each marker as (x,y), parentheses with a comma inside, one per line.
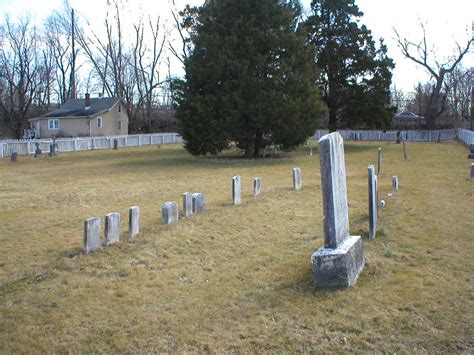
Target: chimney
(88,101)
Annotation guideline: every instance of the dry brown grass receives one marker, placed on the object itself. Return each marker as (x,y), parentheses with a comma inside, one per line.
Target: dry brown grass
(233,278)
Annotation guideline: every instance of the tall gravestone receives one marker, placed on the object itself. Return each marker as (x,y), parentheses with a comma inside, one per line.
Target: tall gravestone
(187,204)
(133,221)
(472,171)
(379,161)
(112,228)
(236,190)
(372,203)
(377,191)
(341,259)
(169,213)
(91,235)
(257,187)
(198,202)
(297,179)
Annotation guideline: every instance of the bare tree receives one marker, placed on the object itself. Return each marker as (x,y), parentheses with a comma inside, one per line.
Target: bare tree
(22,72)
(420,53)
(458,89)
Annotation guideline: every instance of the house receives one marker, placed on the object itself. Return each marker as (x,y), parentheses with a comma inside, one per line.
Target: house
(407,120)
(83,117)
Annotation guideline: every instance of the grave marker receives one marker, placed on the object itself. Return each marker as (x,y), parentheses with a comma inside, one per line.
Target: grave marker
(341,259)
(91,235)
(471,150)
(198,202)
(236,190)
(395,182)
(187,204)
(372,203)
(133,221)
(297,179)
(169,213)
(379,161)
(472,171)
(112,228)
(256,187)
(13,157)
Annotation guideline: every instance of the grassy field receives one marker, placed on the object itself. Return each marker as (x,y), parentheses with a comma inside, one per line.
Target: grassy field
(234,278)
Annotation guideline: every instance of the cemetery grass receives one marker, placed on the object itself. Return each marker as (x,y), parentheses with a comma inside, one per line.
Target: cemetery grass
(234,278)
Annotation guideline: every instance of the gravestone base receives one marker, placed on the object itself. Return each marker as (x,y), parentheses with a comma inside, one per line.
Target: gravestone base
(340,266)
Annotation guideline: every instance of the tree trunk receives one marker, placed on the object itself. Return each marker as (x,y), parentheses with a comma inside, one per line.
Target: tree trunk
(332,124)
(258,144)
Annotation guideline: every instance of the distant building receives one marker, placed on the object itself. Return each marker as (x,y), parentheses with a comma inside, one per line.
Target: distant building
(83,117)
(408,120)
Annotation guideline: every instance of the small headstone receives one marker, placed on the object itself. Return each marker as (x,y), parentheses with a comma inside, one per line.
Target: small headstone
(379,161)
(398,137)
(395,182)
(372,203)
(112,228)
(52,149)
(38,151)
(236,190)
(115,144)
(91,235)
(310,151)
(439,137)
(169,213)
(133,221)
(297,179)
(187,204)
(14,157)
(472,171)
(405,154)
(198,202)
(471,149)
(341,259)
(257,187)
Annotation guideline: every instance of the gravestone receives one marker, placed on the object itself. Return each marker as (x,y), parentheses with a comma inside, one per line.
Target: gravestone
(398,137)
(405,153)
(52,149)
(169,213)
(471,149)
(13,157)
(310,151)
(112,228)
(372,203)
(236,190)
(256,187)
(91,235)
(115,144)
(297,179)
(472,171)
(341,259)
(187,204)
(38,151)
(198,202)
(133,221)
(377,191)
(395,182)
(379,161)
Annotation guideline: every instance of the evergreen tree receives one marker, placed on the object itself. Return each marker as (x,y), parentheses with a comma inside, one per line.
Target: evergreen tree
(249,78)
(356,75)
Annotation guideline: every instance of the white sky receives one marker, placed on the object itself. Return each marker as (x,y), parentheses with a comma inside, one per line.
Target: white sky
(446,23)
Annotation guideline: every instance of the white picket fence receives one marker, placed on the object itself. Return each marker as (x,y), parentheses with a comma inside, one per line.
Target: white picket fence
(27,147)
(463,135)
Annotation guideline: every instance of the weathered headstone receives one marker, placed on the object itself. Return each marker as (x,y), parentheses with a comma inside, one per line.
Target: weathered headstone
(38,151)
(169,213)
(372,203)
(471,150)
(112,228)
(297,179)
(405,153)
(187,204)
(91,235)
(310,151)
(133,221)
(472,171)
(257,187)
(398,137)
(379,161)
(13,157)
(198,202)
(115,144)
(236,190)
(377,191)
(395,182)
(341,259)
(52,149)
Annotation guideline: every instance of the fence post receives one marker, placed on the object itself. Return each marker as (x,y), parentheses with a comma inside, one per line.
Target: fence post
(430,136)
(380,134)
(126,142)
(1,150)
(92,143)
(28,148)
(139,140)
(174,138)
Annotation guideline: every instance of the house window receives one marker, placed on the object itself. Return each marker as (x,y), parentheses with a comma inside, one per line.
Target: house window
(53,125)
(120,109)
(120,125)
(99,122)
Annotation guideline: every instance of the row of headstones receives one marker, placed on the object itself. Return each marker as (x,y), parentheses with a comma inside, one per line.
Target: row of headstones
(192,203)
(53,149)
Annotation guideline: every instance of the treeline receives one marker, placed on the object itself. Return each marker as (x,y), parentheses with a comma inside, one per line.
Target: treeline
(42,66)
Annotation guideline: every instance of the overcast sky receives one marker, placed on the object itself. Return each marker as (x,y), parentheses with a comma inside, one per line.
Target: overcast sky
(446,23)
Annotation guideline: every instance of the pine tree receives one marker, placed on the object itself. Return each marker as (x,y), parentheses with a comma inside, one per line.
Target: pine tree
(249,78)
(356,75)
